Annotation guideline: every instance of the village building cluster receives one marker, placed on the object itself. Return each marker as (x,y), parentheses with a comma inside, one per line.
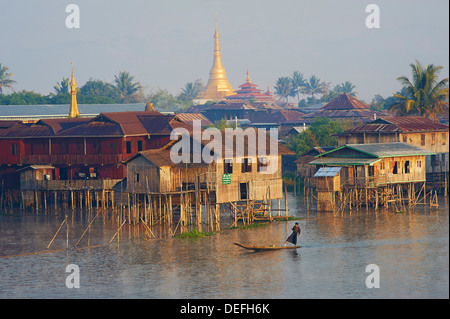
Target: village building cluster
(123,159)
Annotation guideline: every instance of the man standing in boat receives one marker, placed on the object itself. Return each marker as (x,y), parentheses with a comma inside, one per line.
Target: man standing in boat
(293,237)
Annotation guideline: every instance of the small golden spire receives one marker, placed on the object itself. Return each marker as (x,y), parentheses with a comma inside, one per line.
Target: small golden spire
(248,76)
(73,111)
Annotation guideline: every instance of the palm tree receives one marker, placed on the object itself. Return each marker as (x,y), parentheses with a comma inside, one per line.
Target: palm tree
(346,87)
(298,84)
(125,86)
(425,95)
(315,86)
(191,90)
(62,87)
(5,78)
(283,87)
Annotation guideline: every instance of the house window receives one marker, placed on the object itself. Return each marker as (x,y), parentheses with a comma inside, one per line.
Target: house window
(227,166)
(263,164)
(382,165)
(246,165)
(139,146)
(444,139)
(405,139)
(422,139)
(128,147)
(137,177)
(395,167)
(434,160)
(407,167)
(433,138)
(243,190)
(419,163)
(14,149)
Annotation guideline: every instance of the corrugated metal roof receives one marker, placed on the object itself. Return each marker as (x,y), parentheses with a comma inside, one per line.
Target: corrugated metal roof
(389,149)
(398,125)
(345,102)
(327,172)
(379,150)
(344,161)
(190,117)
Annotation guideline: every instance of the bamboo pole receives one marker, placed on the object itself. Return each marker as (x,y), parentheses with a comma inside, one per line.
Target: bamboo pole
(56,233)
(89,226)
(117,231)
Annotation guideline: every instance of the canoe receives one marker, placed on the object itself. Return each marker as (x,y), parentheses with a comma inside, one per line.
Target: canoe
(261,248)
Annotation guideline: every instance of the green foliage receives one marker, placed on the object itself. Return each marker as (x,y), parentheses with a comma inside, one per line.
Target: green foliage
(5,78)
(425,94)
(319,133)
(224,123)
(127,88)
(23,98)
(251,226)
(163,100)
(194,233)
(98,92)
(190,91)
(283,87)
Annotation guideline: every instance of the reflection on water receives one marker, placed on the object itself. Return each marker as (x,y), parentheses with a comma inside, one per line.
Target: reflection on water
(411,250)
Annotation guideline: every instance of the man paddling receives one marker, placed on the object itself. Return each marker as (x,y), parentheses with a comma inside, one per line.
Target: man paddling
(293,237)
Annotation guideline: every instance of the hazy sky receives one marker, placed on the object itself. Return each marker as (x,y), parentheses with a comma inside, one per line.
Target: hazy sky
(166,44)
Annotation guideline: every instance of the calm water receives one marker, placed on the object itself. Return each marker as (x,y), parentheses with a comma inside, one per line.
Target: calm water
(410,249)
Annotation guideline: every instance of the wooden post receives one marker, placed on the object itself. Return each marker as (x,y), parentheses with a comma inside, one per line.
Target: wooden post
(285,201)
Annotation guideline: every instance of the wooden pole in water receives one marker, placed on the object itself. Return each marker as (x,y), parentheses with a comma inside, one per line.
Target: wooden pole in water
(285,201)
(56,233)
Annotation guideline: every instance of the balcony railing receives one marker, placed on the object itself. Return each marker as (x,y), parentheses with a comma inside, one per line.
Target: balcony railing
(100,184)
(97,159)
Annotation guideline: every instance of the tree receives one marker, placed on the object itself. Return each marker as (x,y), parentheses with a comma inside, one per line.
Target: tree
(126,87)
(319,133)
(23,98)
(283,87)
(191,91)
(163,100)
(298,84)
(315,86)
(62,87)
(5,78)
(424,95)
(346,87)
(98,92)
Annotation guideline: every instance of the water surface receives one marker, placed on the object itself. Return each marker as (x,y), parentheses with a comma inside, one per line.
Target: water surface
(410,249)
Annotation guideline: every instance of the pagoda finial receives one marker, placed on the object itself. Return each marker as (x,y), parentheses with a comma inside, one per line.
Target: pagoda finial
(218,85)
(73,111)
(248,76)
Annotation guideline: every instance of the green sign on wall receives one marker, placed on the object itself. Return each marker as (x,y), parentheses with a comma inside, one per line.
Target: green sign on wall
(226,179)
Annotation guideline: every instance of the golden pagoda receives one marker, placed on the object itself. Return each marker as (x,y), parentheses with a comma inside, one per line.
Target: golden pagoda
(218,86)
(73,111)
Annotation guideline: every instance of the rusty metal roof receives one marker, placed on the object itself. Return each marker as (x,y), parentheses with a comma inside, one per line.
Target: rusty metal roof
(398,125)
(345,102)
(189,118)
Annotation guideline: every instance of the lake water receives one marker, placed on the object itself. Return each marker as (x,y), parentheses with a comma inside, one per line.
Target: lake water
(411,251)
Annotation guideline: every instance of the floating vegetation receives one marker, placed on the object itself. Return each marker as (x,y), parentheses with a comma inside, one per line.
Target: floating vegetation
(250,226)
(194,233)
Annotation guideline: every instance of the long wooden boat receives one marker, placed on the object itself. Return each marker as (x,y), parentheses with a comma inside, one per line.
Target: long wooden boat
(260,248)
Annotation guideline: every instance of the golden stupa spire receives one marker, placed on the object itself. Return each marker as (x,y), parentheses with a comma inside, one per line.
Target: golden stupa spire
(73,111)
(248,76)
(218,85)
